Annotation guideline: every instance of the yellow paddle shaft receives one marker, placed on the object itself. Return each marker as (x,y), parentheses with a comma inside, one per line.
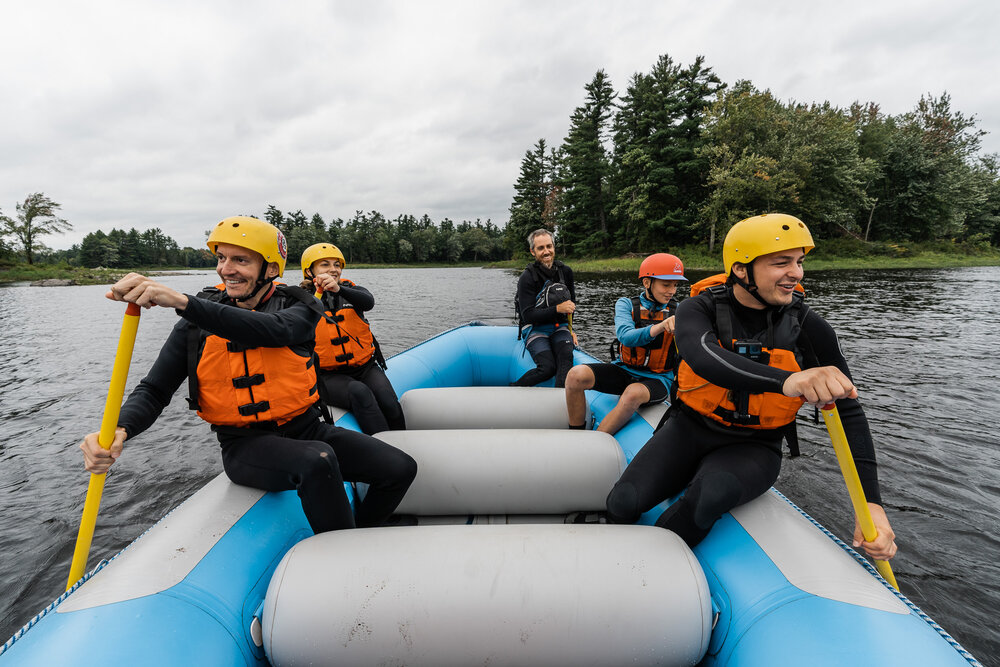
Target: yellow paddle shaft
(112,407)
(836,429)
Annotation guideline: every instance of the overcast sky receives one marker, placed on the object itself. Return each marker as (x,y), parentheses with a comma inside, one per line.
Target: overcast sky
(177,114)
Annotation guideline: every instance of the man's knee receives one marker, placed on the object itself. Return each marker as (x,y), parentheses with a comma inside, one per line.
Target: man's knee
(360,395)
(623,503)
(397,470)
(712,495)
(319,464)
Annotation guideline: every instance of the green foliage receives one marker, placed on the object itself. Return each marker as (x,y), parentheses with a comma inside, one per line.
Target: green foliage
(531,191)
(132,249)
(661,173)
(584,181)
(36,217)
(689,157)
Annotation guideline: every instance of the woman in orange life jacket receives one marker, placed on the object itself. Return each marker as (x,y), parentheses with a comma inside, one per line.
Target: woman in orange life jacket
(644,327)
(350,373)
(743,348)
(267,420)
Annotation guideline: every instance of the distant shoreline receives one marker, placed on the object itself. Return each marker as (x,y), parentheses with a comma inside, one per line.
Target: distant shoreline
(47,274)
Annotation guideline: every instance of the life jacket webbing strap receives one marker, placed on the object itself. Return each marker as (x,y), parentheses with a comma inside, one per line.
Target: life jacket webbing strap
(247,381)
(193,343)
(741,415)
(254,408)
(379,357)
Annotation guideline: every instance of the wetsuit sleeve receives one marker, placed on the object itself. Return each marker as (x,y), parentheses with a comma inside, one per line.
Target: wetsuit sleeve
(288,326)
(527,291)
(825,344)
(699,347)
(358,297)
(625,329)
(153,393)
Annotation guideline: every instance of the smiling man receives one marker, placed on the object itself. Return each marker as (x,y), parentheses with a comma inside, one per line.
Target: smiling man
(751,354)
(265,414)
(545,318)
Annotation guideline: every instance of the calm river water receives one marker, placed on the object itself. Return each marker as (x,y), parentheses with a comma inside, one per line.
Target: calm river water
(919,343)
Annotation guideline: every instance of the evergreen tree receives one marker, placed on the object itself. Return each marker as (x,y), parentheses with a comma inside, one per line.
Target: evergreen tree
(531,191)
(97,249)
(275,217)
(586,166)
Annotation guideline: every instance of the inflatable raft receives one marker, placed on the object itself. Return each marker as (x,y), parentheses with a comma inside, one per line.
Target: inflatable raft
(492,573)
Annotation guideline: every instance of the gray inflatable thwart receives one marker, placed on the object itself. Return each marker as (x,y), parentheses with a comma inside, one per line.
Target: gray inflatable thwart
(498,595)
(485,407)
(513,471)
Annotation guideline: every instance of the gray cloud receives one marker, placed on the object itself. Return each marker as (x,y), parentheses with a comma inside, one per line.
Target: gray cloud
(174,115)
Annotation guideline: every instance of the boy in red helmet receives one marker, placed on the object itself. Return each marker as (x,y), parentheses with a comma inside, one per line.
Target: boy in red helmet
(641,373)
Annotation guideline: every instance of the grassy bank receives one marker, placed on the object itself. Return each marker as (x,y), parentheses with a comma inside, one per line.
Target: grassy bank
(838,254)
(13,272)
(18,272)
(830,255)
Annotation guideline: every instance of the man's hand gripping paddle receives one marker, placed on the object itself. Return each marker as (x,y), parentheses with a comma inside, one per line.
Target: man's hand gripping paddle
(836,429)
(112,407)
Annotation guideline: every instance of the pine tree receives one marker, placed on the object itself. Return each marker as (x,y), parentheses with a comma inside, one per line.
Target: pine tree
(531,191)
(584,224)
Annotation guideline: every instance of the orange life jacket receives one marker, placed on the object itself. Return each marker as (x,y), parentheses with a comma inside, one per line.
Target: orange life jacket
(720,279)
(767,410)
(346,342)
(656,355)
(235,385)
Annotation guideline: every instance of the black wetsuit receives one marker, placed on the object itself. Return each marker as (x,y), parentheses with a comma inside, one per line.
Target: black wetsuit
(303,454)
(364,390)
(551,348)
(720,467)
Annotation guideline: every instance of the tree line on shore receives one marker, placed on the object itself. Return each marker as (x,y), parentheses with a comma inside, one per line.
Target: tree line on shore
(364,238)
(681,156)
(674,161)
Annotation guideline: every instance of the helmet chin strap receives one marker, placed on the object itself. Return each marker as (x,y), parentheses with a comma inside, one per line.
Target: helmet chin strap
(262,281)
(750,285)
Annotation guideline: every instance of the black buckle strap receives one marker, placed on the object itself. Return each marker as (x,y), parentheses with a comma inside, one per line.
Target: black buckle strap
(344,357)
(340,340)
(254,408)
(734,417)
(247,381)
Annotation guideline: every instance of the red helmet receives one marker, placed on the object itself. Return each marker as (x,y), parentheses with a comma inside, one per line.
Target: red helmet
(662,265)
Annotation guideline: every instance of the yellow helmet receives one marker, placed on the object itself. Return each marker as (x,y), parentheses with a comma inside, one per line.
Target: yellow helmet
(763,234)
(319,251)
(253,234)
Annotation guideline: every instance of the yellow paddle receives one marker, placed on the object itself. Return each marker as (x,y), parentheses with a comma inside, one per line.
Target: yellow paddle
(836,429)
(112,406)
